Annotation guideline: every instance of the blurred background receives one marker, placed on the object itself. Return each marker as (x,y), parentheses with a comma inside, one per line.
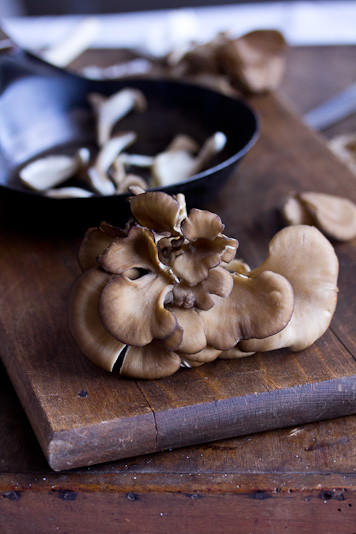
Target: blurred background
(62,7)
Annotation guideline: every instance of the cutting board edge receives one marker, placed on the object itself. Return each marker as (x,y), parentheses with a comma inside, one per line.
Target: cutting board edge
(168,434)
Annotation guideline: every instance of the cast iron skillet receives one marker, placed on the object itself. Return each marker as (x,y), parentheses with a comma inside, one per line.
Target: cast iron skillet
(44,109)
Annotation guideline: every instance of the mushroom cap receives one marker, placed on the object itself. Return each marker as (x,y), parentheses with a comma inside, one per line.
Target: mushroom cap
(149,362)
(206,249)
(95,241)
(136,250)
(133,311)
(307,259)
(206,355)
(256,307)
(256,60)
(84,321)
(219,282)
(161,212)
(194,338)
(333,215)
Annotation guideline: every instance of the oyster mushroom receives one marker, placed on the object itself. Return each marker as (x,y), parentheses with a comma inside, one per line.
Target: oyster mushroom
(307,259)
(333,215)
(48,172)
(178,162)
(110,110)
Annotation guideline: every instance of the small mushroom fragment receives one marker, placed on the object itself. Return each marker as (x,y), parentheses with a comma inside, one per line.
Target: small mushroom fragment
(124,181)
(48,172)
(68,192)
(99,174)
(308,260)
(110,110)
(255,61)
(334,216)
(178,162)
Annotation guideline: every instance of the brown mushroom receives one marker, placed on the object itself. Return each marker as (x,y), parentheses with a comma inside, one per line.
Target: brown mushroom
(333,215)
(150,362)
(307,259)
(160,212)
(256,307)
(255,61)
(95,241)
(124,301)
(84,321)
(207,247)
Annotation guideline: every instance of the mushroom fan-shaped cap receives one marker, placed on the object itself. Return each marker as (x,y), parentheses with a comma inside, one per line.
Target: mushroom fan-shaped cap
(308,260)
(85,324)
(334,216)
(255,308)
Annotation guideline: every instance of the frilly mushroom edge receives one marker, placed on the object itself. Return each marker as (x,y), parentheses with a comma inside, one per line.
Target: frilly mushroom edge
(158,294)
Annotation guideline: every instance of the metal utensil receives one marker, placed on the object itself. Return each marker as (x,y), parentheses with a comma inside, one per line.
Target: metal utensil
(333,110)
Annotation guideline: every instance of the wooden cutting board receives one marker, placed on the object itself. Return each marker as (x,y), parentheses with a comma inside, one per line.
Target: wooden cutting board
(82,415)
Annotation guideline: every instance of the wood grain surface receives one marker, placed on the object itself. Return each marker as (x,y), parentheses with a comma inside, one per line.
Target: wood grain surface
(115,417)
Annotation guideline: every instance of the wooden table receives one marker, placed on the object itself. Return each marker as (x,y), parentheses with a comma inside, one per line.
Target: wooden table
(297,479)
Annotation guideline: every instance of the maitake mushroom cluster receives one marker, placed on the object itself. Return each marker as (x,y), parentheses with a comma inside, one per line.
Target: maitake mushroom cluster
(167,291)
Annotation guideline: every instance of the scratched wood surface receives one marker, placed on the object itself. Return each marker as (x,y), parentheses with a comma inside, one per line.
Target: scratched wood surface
(298,479)
(118,417)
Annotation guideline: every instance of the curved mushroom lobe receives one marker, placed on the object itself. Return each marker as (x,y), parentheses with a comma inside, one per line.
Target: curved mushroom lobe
(150,362)
(201,224)
(308,260)
(133,310)
(194,338)
(85,324)
(333,215)
(255,308)
(156,210)
(137,250)
(95,241)
(202,255)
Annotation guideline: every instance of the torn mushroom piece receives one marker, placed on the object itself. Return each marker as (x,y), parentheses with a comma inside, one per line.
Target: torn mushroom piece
(68,192)
(255,62)
(179,162)
(308,261)
(334,216)
(99,173)
(46,173)
(110,110)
